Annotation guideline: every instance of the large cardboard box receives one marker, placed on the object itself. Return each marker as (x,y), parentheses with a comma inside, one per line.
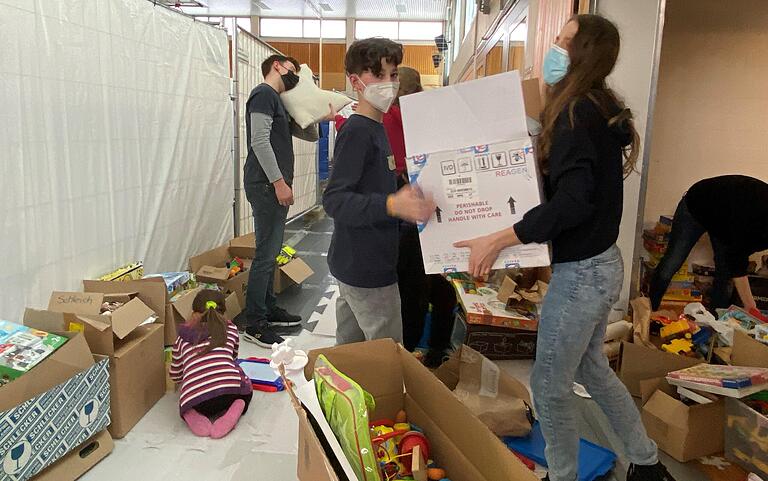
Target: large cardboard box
(152,292)
(78,461)
(460,442)
(181,306)
(53,409)
(495,343)
(482,172)
(136,365)
(80,312)
(682,431)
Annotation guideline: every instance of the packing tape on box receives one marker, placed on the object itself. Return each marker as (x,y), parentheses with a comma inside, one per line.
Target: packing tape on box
(618,331)
(489,382)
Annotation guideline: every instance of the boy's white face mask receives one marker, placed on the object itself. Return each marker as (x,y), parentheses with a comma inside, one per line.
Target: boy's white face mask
(381,95)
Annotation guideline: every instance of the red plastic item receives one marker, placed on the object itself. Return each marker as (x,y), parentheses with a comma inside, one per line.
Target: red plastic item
(757,314)
(410,440)
(530,464)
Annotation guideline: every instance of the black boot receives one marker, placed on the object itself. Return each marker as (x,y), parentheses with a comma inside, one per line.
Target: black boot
(657,472)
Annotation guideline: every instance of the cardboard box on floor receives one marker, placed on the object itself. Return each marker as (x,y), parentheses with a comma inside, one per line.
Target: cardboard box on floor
(495,343)
(639,363)
(468,145)
(294,272)
(181,307)
(136,360)
(460,442)
(53,409)
(78,461)
(682,431)
(80,311)
(152,291)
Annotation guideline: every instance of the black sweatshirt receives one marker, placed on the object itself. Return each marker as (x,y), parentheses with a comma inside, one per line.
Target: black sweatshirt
(584,187)
(363,250)
(734,210)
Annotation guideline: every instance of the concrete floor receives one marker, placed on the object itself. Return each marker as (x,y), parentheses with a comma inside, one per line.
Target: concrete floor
(264,445)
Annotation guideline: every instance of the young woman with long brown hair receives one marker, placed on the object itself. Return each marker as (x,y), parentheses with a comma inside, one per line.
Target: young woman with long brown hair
(587,146)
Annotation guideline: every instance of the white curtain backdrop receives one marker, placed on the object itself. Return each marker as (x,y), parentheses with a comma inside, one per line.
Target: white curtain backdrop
(115,142)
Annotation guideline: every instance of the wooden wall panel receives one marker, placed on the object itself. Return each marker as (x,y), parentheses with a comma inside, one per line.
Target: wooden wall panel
(420,58)
(493,61)
(516,58)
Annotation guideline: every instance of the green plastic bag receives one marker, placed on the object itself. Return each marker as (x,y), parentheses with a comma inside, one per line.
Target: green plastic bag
(346,406)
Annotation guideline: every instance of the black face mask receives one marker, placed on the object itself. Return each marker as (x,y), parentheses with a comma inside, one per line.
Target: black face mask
(290,80)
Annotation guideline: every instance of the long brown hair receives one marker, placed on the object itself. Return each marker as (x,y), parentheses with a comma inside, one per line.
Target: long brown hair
(593,52)
(211,304)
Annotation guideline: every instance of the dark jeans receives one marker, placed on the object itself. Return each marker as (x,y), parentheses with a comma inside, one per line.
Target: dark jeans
(686,232)
(269,219)
(418,290)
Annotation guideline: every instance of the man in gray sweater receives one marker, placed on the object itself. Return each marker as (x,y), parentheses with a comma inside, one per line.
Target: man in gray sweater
(268,181)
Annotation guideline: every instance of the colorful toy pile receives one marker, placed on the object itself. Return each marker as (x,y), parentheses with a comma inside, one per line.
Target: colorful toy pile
(683,336)
(287,253)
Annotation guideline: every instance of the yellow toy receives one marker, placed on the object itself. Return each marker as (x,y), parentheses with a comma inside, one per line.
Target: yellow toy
(679,346)
(675,328)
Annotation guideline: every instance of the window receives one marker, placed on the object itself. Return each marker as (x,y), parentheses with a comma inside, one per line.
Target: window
(520,33)
(334,29)
(420,30)
(398,30)
(282,27)
(368,28)
(303,28)
(457,33)
(470,11)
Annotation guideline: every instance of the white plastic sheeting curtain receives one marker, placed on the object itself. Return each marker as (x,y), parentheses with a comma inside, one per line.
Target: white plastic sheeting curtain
(115,142)
(251,53)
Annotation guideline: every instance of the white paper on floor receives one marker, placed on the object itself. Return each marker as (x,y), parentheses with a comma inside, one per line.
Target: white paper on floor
(326,324)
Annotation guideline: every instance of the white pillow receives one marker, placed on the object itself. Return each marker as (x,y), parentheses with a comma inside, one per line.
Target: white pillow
(307,103)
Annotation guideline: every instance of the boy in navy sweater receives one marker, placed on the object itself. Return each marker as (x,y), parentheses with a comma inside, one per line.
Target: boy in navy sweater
(363,200)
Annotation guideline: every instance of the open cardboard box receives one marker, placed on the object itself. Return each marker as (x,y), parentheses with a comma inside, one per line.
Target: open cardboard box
(295,272)
(80,311)
(152,292)
(182,306)
(682,431)
(639,363)
(54,408)
(460,442)
(136,361)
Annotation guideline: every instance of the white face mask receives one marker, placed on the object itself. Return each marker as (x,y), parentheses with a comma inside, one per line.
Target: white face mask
(381,95)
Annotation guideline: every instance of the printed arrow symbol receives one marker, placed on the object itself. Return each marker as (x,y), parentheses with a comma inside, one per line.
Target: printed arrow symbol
(511,203)
(438,214)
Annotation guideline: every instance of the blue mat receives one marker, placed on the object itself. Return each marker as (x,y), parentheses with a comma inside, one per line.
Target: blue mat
(594,460)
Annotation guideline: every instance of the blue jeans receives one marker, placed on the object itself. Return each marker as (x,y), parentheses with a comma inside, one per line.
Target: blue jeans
(570,348)
(686,232)
(269,219)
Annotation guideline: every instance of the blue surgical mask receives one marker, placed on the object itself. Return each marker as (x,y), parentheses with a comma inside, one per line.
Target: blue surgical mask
(555,65)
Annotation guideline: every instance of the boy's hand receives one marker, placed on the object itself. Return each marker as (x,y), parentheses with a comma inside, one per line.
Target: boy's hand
(284,193)
(411,205)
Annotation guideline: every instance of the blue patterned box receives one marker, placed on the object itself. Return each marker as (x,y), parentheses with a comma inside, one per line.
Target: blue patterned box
(52,409)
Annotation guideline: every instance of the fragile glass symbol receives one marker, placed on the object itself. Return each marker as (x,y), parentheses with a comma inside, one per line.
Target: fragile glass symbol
(499,159)
(16,454)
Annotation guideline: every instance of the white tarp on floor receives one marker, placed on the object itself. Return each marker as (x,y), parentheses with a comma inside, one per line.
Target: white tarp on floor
(115,142)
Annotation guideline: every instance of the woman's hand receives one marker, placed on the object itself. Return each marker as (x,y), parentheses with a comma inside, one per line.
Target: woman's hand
(483,251)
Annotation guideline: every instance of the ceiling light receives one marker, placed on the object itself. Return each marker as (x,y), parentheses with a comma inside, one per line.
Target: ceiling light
(326,7)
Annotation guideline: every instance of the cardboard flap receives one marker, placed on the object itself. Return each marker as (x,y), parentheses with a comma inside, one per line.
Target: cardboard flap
(151,291)
(123,297)
(88,303)
(243,246)
(48,321)
(129,317)
(233,306)
(97,322)
(71,358)
(183,305)
(668,409)
(365,367)
(748,352)
(639,363)
(649,386)
(214,257)
(218,274)
(297,270)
